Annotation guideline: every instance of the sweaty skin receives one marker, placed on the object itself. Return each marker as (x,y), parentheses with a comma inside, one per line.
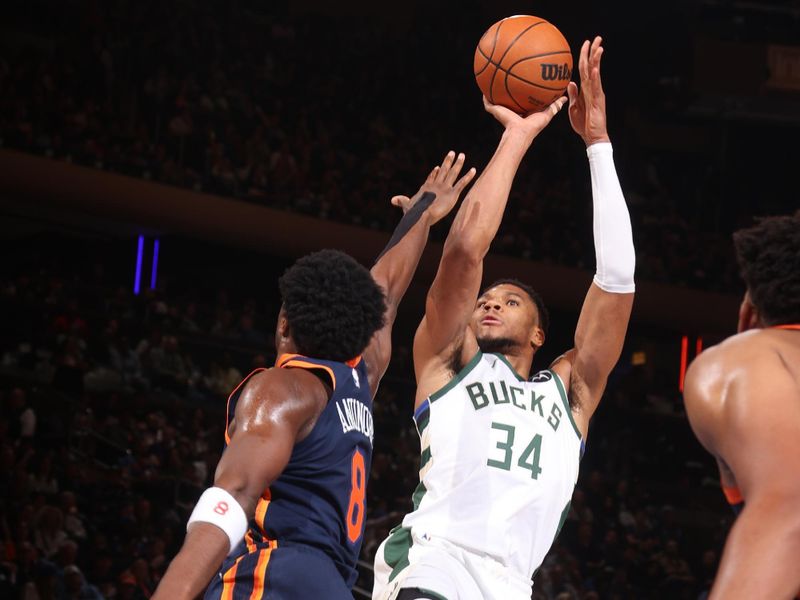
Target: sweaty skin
(279,407)
(448,335)
(743,402)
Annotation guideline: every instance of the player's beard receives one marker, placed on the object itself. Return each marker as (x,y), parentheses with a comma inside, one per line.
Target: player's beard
(501,345)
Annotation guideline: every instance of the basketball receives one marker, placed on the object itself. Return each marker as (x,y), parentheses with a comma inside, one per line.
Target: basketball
(523,63)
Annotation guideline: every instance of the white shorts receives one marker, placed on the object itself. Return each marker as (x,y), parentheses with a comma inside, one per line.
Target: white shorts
(406,560)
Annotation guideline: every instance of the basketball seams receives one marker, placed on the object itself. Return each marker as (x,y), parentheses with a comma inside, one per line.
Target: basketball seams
(491,53)
(510,95)
(494,47)
(488,62)
(510,69)
(541,55)
(491,84)
(515,76)
(538,85)
(527,81)
(544,87)
(510,45)
(531,57)
(517,38)
(494,42)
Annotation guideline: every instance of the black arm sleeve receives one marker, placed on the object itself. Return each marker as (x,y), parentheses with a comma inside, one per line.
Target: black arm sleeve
(408,221)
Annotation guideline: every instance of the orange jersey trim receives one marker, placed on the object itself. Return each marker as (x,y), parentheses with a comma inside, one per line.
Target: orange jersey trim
(260,573)
(283,358)
(228,405)
(229,580)
(249,542)
(795,326)
(296,360)
(732,495)
(353,362)
(261,510)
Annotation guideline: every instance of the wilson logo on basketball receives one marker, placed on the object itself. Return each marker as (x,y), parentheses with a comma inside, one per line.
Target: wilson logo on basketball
(556,72)
(508,63)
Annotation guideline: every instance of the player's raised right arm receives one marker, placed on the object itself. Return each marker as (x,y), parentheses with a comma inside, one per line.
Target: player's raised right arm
(274,409)
(396,265)
(454,290)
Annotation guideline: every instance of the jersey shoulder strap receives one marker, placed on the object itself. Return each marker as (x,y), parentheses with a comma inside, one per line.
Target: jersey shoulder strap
(327,367)
(298,361)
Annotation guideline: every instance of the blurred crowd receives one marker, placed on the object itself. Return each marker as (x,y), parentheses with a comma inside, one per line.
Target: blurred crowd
(113,404)
(317,116)
(112,424)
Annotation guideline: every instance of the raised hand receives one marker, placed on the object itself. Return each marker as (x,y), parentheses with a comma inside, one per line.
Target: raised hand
(587,107)
(445,186)
(531,125)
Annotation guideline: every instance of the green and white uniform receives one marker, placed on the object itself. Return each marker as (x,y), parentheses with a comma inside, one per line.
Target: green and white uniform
(499,463)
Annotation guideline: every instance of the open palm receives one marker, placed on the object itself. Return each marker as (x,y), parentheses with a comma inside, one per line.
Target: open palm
(444,184)
(587,106)
(532,124)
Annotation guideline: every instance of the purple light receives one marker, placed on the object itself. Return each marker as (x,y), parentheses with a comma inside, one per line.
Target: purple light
(137,281)
(154,272)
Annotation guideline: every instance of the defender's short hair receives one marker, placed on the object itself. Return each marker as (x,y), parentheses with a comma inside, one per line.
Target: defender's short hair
(332,304)
(769,259)
(544,315)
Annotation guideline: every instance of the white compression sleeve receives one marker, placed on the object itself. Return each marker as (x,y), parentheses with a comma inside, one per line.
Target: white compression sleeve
(613,238)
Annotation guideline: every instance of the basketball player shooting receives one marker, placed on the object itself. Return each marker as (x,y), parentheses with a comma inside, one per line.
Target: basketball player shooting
(501,449)
(285,517)
(743,402)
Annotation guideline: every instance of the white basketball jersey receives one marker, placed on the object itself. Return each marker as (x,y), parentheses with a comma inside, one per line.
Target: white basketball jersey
(499,463)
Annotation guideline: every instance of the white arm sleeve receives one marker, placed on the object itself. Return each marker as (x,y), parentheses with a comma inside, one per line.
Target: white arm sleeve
(613,239)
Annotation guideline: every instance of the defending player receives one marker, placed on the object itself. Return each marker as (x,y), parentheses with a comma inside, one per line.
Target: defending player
(285,517)
(500,449)
(743,401)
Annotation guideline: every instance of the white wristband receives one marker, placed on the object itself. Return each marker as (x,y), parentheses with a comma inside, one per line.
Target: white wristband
(613,238)
(218,507)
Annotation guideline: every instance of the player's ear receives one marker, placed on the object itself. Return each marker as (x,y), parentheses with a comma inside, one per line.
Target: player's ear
(537,337)
(283,330)
(748,314)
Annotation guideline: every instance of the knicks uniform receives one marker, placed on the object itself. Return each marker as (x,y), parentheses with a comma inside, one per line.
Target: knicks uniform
(305,537)
(499,463)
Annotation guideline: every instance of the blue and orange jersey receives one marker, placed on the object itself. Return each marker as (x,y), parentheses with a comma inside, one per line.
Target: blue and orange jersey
(319,500)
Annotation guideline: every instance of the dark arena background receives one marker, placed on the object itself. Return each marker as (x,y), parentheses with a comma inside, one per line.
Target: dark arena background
(162,163)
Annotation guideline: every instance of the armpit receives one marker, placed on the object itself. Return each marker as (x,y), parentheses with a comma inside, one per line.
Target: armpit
(577,391)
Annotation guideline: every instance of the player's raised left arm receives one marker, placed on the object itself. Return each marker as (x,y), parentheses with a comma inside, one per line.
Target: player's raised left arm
(275,407)
(600,333)
(397,263)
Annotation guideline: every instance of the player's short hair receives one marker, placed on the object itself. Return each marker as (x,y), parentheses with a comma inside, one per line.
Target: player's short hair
(332,304)
(769,260)
(544,315)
